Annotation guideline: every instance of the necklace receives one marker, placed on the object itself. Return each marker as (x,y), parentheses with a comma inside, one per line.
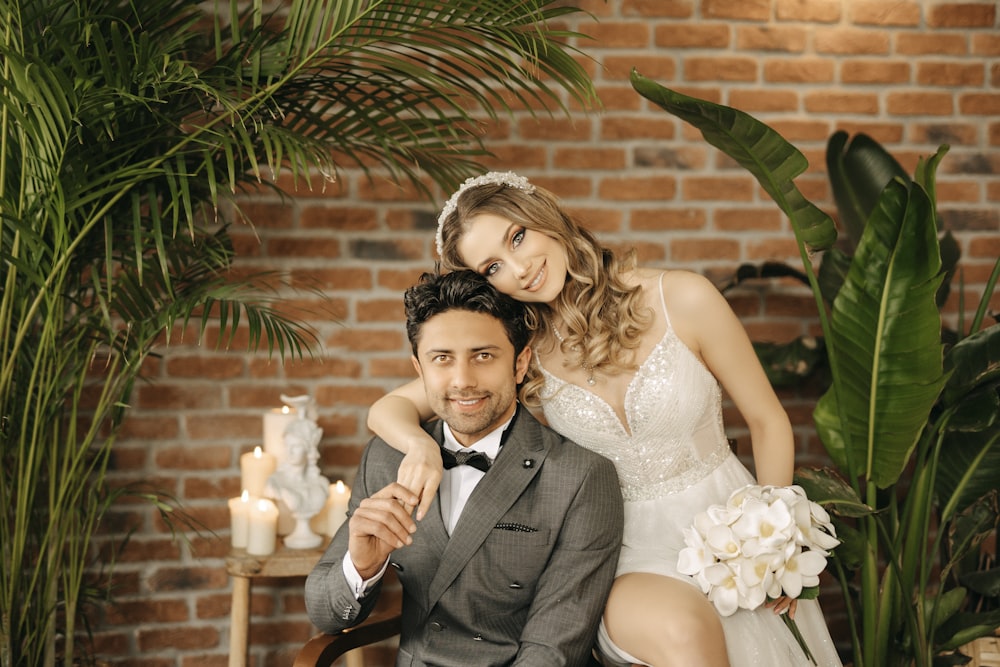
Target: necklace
(583,364)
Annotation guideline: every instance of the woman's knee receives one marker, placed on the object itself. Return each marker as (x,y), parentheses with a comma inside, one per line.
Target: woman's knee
(661,616)
(693,625)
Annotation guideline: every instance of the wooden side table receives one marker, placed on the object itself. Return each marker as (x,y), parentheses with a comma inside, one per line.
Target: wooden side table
(243,568)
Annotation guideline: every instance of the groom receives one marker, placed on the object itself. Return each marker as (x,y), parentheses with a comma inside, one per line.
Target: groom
(514,561)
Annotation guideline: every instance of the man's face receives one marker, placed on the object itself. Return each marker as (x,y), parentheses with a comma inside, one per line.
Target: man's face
(469,371)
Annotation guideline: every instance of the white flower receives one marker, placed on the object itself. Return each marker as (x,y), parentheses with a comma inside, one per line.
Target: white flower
(764,542)
(792,495)
(801,570)
(725,591)
(695,558)
(757,574)
(722,542)
(739,496)
(823,534)
(723,515)
(820,516)
(704,521)
(813,527)
(764,527)
(822,541)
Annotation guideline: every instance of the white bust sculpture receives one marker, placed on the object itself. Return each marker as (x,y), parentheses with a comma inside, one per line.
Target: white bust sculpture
(297,482)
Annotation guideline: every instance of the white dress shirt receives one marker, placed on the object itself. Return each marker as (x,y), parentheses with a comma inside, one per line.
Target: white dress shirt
(457,484)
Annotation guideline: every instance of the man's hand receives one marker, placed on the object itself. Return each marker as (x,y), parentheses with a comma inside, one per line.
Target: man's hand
(380,525)
(421,471)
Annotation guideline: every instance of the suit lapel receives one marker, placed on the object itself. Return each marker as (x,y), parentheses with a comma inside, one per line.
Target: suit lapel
(493,497)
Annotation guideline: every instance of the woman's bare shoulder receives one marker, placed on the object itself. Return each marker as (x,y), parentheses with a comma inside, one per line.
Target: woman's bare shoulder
(683,287)
(692,301)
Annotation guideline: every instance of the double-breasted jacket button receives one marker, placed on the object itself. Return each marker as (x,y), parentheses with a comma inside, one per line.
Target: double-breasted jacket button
(436,627)
(515,585)
(477,638)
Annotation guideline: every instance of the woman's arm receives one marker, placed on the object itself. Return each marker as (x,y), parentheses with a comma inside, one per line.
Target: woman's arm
(708,325)
(396,418)
(705,321)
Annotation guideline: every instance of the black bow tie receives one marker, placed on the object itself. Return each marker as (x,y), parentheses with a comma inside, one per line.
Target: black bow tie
(477,460)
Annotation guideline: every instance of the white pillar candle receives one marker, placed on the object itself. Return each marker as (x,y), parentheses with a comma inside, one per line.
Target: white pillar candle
(340,493)
(255,468)
(275,422)
(262,536)
(239,514)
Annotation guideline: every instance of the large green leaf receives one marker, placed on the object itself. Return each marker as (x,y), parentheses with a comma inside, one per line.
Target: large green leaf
(984,582)
(964,627)
(826,487)
(973,361)
(758,148)
(969,465)
(832,272)
(970,450)
(858,170)
(885,328)
(966,532)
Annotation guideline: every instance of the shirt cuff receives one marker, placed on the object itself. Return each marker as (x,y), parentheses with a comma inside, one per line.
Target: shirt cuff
(358,585)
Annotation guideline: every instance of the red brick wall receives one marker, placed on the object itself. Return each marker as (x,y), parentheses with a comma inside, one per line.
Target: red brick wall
(912,74)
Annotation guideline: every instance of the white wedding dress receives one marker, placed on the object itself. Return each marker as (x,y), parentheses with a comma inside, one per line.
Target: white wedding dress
(674,461)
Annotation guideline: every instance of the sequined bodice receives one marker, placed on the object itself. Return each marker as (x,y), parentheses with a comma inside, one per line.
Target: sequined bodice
(673,410)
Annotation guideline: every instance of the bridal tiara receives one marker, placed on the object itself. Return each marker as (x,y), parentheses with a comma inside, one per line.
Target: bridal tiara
(505,178)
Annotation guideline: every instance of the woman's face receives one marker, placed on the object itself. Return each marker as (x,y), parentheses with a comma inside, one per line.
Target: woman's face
(524,263)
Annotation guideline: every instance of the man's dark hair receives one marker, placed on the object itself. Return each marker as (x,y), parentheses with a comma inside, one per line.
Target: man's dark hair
(437,293)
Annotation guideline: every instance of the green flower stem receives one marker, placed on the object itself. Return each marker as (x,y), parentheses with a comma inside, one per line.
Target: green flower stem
(794,628)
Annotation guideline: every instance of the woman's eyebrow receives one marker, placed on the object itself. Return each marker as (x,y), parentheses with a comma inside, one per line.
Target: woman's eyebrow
(503,240)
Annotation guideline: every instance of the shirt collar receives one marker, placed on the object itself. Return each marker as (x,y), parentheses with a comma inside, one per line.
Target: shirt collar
(489,444)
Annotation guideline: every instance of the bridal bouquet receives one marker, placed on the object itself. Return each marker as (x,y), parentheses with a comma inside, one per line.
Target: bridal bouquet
(765,542)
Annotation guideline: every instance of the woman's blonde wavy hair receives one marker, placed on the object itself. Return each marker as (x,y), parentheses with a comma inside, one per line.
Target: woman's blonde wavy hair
(603,317)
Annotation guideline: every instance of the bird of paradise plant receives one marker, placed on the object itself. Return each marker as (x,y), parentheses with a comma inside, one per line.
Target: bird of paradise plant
(911,422)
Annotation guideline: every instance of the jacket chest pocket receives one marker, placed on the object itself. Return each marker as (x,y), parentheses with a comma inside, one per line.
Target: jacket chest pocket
(515,558)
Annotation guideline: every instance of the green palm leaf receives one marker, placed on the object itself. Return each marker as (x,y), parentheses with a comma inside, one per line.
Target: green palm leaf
(127,124)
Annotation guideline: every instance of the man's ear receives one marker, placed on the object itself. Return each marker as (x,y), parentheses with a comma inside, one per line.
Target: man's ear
(416,366)
(521,365)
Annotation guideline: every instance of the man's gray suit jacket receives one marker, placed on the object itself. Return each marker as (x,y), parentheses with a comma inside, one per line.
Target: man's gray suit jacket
(523,578)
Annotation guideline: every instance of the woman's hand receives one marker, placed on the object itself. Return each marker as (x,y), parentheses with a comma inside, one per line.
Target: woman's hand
(420,472)
(784,604)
